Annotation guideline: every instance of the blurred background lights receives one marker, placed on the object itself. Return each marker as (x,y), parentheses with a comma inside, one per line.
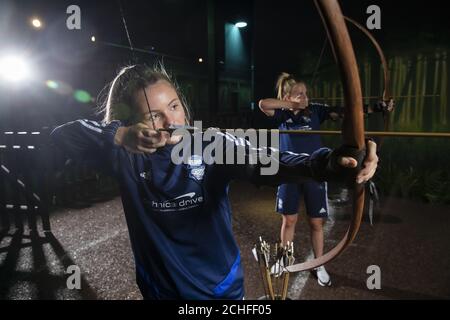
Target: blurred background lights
(241,24)
(13,68)
(93,38)
(52,84)
(82,96)
(36,23)
(59,87)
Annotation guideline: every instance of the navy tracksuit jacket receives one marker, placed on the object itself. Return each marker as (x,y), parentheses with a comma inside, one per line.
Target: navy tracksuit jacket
(178,216)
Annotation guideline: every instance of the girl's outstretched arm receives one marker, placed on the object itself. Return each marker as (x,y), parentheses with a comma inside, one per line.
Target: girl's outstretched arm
(85,139)
(268,106)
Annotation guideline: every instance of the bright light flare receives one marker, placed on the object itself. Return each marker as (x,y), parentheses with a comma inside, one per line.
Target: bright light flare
(82,96)
(241,24)
(36,23)
(13,68)
(52,84)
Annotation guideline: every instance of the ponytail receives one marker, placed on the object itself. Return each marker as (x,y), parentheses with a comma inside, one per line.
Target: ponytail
(285,82)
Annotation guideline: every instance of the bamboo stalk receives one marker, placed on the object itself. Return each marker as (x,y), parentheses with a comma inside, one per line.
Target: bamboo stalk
(444,85)
(409,101)
(403,73)
(435,87)
(417,89)
(423,90)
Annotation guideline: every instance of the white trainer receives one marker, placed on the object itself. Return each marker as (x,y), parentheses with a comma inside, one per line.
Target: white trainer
(323,278)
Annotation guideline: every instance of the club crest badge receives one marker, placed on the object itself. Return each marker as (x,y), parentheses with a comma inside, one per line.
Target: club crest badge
(196,167)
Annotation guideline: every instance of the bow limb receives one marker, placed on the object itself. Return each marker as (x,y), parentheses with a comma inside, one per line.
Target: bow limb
(353,126)
(386,74)
(386,92)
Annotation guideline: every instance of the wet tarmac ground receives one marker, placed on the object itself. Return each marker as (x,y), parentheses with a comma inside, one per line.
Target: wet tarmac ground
(409,242)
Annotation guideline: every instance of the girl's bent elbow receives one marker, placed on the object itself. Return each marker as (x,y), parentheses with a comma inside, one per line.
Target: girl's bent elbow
(261,104)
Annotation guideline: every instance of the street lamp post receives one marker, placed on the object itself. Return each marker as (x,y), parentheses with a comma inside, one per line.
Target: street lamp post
(212,70)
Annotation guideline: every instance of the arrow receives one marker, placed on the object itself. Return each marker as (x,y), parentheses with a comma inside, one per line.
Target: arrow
(400,134)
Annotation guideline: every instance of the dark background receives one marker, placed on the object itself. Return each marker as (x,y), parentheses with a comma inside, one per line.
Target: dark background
(283,36)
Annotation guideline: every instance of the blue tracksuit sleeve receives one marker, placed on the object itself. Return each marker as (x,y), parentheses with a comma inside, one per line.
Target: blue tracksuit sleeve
(323,111)
(279,117)
(292,168)
(86,140)
(269,166)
